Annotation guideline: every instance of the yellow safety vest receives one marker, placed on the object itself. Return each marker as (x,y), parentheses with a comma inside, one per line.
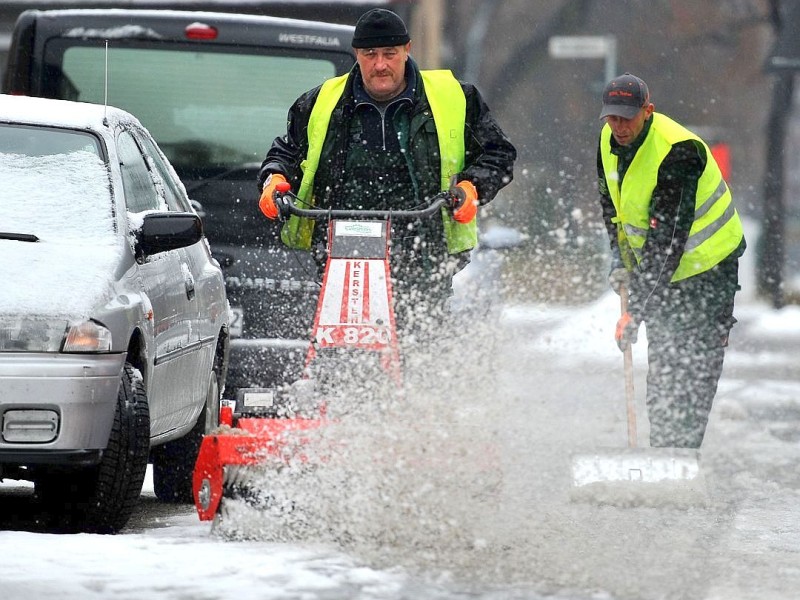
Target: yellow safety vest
(717,229)
(448,106)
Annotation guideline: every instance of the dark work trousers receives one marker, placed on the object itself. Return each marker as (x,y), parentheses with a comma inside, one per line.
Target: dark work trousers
(422,282)
(687,334)
(421,295)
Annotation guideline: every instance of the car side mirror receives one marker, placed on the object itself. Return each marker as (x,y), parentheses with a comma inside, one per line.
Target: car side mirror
(169,230)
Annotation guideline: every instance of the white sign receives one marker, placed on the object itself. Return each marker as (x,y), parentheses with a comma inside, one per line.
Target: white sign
(581,46)
(586,46)
(358,228)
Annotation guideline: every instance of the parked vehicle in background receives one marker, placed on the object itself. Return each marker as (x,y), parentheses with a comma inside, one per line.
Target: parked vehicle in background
(113,316)
(214,90)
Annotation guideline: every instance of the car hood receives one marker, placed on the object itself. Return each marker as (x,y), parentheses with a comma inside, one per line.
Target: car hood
(58,279)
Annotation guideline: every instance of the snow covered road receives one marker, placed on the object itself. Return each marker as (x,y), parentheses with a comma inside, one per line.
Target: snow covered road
(557,391)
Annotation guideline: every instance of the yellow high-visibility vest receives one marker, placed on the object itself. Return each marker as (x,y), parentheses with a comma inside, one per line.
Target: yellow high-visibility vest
(448,106)
(717,229)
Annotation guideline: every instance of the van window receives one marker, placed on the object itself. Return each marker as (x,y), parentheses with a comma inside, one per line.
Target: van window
(210,111)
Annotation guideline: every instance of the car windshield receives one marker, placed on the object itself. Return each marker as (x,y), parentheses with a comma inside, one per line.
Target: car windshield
(55,185)
(210,111)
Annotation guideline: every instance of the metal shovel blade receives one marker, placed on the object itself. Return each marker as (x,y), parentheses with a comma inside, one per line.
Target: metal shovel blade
(648,465)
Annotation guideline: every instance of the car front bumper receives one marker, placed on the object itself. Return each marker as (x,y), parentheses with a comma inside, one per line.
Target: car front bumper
(56,408)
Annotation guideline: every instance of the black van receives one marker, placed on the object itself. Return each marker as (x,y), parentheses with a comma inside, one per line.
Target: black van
(214,89)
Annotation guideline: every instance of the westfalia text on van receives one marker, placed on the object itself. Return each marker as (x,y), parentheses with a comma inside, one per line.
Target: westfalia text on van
(214,89)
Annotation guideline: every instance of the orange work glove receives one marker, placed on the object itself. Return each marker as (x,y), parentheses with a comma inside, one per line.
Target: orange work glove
(627,331)
(466,201)
(267,201)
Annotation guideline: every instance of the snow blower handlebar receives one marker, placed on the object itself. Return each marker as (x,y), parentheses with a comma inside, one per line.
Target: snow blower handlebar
(285,200)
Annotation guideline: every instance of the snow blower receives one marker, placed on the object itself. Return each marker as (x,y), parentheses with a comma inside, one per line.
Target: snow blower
(354,318)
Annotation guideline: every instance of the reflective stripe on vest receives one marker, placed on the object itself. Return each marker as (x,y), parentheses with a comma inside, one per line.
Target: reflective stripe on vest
(716,230)
(448,106)
(297,231)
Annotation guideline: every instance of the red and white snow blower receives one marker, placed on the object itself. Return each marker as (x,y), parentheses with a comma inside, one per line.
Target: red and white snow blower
(354,317)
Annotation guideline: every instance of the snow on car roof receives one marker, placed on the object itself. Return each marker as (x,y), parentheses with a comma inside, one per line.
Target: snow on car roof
(61,113)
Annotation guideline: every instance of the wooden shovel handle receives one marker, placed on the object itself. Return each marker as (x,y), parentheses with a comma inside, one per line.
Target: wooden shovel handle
(630,402)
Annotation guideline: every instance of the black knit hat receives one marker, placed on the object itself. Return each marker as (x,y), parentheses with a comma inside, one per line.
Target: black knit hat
(380,28)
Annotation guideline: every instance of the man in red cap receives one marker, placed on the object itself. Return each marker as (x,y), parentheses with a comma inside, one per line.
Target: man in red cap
(676,239)
(395,137)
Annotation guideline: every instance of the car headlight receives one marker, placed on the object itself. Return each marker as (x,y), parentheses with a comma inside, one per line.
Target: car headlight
(87,337)
(31,334)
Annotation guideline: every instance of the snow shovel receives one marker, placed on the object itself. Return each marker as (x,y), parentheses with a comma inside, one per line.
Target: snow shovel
(636,466)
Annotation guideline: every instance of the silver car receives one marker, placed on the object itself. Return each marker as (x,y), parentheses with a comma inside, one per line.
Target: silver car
(113,315)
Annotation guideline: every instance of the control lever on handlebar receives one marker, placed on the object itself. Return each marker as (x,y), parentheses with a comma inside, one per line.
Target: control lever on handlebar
(451,201)
(282,199)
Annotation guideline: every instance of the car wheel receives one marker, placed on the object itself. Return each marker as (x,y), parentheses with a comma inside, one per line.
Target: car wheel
(173,462)
(101,499)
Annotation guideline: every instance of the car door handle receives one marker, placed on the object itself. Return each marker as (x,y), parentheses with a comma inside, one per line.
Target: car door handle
(189,281)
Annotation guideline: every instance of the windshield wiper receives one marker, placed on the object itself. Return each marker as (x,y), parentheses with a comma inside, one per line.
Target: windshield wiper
(20,237)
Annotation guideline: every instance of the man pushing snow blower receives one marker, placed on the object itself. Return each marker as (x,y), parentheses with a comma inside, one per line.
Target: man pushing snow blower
(390,136)
(415,151)
(676,239)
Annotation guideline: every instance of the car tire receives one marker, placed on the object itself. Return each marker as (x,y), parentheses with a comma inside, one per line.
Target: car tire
(173,462)
(101,499)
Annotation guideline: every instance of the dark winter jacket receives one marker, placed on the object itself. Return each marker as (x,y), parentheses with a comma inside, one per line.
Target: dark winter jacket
(671,219)
(362,165)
